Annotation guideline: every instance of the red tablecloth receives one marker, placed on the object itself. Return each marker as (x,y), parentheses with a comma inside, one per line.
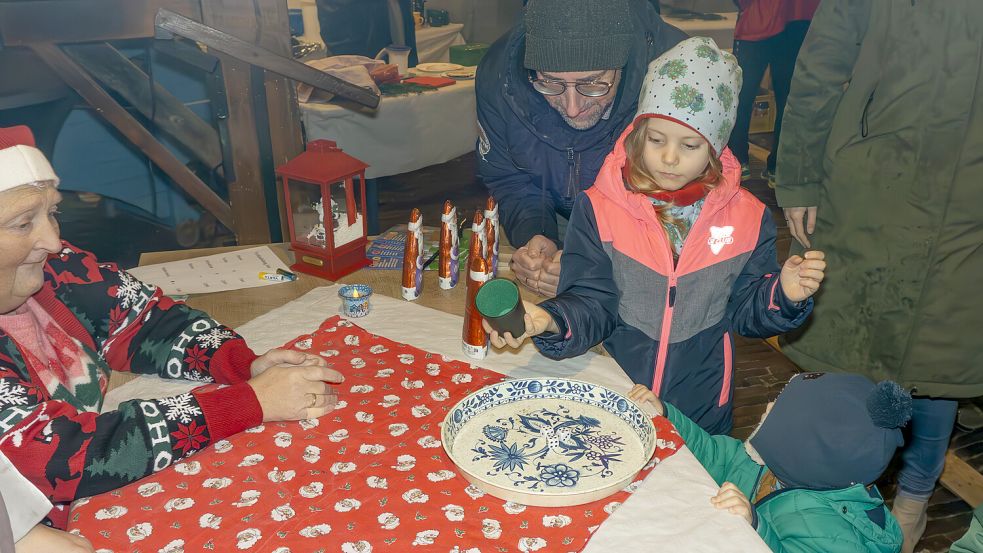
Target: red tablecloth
(370,476)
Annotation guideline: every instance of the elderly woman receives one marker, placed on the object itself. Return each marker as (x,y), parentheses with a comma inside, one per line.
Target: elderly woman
(66,320)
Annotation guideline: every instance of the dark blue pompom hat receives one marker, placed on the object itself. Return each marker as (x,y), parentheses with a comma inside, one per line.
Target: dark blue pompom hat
(829,431)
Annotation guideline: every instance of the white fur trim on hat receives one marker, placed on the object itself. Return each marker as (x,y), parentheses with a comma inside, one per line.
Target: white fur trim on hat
(695,83)
(20,165)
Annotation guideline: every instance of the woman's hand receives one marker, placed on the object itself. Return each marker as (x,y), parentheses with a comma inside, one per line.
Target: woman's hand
(42,539)
(286,357)
(537,320)
(800,276)
(641,395)
(294,393)
(734,501)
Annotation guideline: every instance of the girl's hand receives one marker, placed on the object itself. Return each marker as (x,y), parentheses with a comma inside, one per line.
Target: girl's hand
(731,499)
(800,276)
(537,319)
(640,394)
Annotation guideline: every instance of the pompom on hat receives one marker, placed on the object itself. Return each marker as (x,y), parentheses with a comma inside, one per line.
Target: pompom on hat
(831,431)
(21,162)
(697,84)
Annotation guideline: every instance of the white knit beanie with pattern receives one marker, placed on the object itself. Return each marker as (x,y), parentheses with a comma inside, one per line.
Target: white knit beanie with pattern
(697,84)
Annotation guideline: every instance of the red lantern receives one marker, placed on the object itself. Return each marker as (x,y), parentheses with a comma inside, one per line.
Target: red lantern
(324,191)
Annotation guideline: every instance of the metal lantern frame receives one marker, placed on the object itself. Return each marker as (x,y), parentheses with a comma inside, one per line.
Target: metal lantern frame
(324,165)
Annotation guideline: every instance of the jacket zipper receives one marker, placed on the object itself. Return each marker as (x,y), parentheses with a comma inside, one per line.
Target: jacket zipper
(660,357)
(571,170)
(728,371)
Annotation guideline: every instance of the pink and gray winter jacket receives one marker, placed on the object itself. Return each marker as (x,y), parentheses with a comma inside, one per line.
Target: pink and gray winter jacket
(670,327)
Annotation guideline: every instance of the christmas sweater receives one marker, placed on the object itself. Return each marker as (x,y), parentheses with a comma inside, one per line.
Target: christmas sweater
(51,427)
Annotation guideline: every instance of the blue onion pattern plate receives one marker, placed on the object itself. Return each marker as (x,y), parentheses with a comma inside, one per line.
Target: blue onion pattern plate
(548,441)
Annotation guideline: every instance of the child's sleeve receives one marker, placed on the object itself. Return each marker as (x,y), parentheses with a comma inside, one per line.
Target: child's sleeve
(720,455)
(586,306)
(758,307)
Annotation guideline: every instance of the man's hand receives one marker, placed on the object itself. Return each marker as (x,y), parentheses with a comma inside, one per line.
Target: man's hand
(800,277)
(549,276)
(527,261)
(731,499)
(286,357)
(293,393)
(537,320)
(801,223)
(641,395)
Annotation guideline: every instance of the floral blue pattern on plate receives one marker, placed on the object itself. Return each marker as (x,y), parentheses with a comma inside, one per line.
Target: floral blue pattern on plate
(548,441)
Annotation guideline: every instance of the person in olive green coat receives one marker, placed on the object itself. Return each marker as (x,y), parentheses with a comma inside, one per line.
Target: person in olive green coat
(804,479)
(881,167)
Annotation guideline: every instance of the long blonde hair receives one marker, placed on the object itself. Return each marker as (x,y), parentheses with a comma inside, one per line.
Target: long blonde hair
(639,179)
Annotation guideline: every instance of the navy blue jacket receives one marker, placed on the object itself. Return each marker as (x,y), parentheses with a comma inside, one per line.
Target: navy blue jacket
(532,162)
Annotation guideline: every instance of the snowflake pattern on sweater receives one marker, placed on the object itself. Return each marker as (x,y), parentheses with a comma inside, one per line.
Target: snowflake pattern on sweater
(54,433)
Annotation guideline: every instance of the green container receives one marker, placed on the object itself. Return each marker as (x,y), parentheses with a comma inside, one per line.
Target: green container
(468,54)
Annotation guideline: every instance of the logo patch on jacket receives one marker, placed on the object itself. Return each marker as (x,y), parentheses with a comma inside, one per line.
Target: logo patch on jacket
(720,237)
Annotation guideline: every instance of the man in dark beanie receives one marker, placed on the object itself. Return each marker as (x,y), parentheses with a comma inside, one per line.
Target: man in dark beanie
(554,94)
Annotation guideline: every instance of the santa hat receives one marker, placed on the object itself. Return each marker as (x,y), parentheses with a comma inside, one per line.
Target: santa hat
(20,161)
(830,431)
(697,84)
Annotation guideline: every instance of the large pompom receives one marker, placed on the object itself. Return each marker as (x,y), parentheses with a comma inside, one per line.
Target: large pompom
(889,405)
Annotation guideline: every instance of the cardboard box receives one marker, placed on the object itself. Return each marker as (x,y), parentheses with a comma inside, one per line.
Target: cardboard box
(763,114)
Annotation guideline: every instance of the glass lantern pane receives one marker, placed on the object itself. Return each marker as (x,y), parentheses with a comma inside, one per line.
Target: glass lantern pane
(346,211)
(308,216)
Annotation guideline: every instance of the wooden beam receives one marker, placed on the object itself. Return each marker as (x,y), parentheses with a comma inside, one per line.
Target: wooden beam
(962,479)
(86,86)
(118,73)
(247,192)
(286,136)
(223,42)
(47,21)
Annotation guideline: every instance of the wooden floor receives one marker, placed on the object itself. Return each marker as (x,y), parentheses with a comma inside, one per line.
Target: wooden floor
(760,370)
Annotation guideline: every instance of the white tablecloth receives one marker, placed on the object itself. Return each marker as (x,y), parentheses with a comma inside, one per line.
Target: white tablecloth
(721,31)
(405,133)
(671,511)
(433,44)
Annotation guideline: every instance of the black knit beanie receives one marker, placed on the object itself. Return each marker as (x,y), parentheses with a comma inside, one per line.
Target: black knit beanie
(577,35)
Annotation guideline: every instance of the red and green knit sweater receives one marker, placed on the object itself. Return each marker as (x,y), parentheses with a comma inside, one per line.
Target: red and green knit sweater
(55,435)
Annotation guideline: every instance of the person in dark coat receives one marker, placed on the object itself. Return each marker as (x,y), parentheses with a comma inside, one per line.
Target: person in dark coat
(553,95)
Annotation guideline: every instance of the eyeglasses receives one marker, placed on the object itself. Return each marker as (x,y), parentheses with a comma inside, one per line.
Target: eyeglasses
(553,87)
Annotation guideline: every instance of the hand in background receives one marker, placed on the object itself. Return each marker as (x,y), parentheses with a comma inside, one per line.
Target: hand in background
(734,501)
(294,393)
(801,276)
(527,261)
(549,276)
(286,357)
(537,320)
(801,223)
(641,395)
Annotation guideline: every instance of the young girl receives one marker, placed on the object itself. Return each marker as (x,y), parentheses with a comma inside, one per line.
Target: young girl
(666,256)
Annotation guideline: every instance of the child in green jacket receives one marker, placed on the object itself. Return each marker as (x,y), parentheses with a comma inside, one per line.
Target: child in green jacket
(804,478)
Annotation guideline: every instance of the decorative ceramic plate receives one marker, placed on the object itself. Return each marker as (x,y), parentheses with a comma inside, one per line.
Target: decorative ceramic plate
(548,441)
(462,74)
(437,67)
